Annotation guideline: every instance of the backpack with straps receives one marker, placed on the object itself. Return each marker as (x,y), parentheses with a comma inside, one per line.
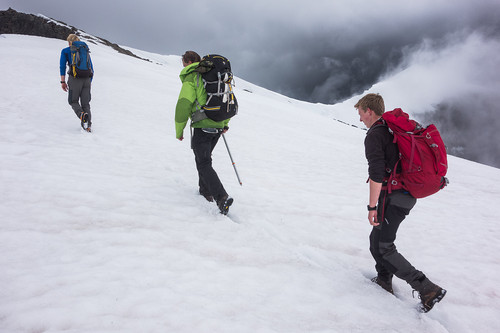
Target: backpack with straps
(217,77)
(422,156)
(80,60)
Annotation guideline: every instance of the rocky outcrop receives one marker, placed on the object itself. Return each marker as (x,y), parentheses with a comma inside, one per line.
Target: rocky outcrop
(14,22)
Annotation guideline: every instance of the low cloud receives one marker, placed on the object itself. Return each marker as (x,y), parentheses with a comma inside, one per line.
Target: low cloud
(452,83)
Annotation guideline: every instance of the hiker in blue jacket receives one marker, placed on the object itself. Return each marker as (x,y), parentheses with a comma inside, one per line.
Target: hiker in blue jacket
(78,86)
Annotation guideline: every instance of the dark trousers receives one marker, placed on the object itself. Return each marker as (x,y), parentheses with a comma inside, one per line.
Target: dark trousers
(392,211)
(79,96)
(203,144)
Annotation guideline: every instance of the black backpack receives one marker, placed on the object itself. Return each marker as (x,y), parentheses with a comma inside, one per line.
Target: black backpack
(217,77)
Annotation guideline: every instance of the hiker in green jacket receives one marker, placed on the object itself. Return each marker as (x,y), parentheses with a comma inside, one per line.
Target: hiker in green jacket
(206,132)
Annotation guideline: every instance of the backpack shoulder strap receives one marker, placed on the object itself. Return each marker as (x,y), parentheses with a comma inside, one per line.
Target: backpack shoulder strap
(378,123)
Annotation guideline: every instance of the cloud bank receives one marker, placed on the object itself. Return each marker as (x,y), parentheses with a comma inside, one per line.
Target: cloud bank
(454,85)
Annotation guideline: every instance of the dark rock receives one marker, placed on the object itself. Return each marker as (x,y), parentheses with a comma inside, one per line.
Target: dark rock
(14,22)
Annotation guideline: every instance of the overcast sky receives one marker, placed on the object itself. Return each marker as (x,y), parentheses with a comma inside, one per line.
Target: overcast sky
(319,50)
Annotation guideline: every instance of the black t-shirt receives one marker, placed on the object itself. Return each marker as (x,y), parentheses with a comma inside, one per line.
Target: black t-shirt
(380,151)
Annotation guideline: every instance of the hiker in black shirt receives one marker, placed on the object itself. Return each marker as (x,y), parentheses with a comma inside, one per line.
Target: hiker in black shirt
(387,211)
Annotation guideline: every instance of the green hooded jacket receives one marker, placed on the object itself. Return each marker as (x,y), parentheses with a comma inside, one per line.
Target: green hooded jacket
(191,98)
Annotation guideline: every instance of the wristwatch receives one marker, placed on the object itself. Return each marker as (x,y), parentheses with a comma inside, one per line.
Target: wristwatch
(371,208)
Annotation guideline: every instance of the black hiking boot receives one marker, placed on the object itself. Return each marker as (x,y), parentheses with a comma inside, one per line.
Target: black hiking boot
(224,204)
(384,282)
(429,294)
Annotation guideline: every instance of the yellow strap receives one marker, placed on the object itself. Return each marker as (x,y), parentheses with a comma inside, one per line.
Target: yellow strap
(212,108)
(73,65)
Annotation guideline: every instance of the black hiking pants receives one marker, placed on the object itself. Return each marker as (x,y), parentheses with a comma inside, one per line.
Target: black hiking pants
(203,144)
(79,96)
(392,210)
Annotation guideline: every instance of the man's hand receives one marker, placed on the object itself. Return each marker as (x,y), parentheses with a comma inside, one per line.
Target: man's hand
(181,138)
(375,189)
(64,85)
(372,218)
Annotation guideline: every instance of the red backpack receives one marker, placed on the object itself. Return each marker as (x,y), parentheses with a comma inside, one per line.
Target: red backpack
(422,156)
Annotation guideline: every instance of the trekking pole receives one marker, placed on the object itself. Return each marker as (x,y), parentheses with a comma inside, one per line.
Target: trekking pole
(231,157)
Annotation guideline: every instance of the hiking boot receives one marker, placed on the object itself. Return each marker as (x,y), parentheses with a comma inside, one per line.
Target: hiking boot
(84,118)
(430,294)
(385,283)
(224,204)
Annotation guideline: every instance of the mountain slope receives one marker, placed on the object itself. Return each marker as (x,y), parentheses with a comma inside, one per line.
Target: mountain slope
(105,232)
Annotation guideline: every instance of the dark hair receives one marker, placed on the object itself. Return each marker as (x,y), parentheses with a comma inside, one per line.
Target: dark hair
(191,56)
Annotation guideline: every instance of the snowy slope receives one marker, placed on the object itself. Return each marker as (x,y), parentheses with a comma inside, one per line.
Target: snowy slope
(105,232)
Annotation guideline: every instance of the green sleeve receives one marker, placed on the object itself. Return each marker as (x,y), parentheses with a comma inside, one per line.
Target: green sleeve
(184,107)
